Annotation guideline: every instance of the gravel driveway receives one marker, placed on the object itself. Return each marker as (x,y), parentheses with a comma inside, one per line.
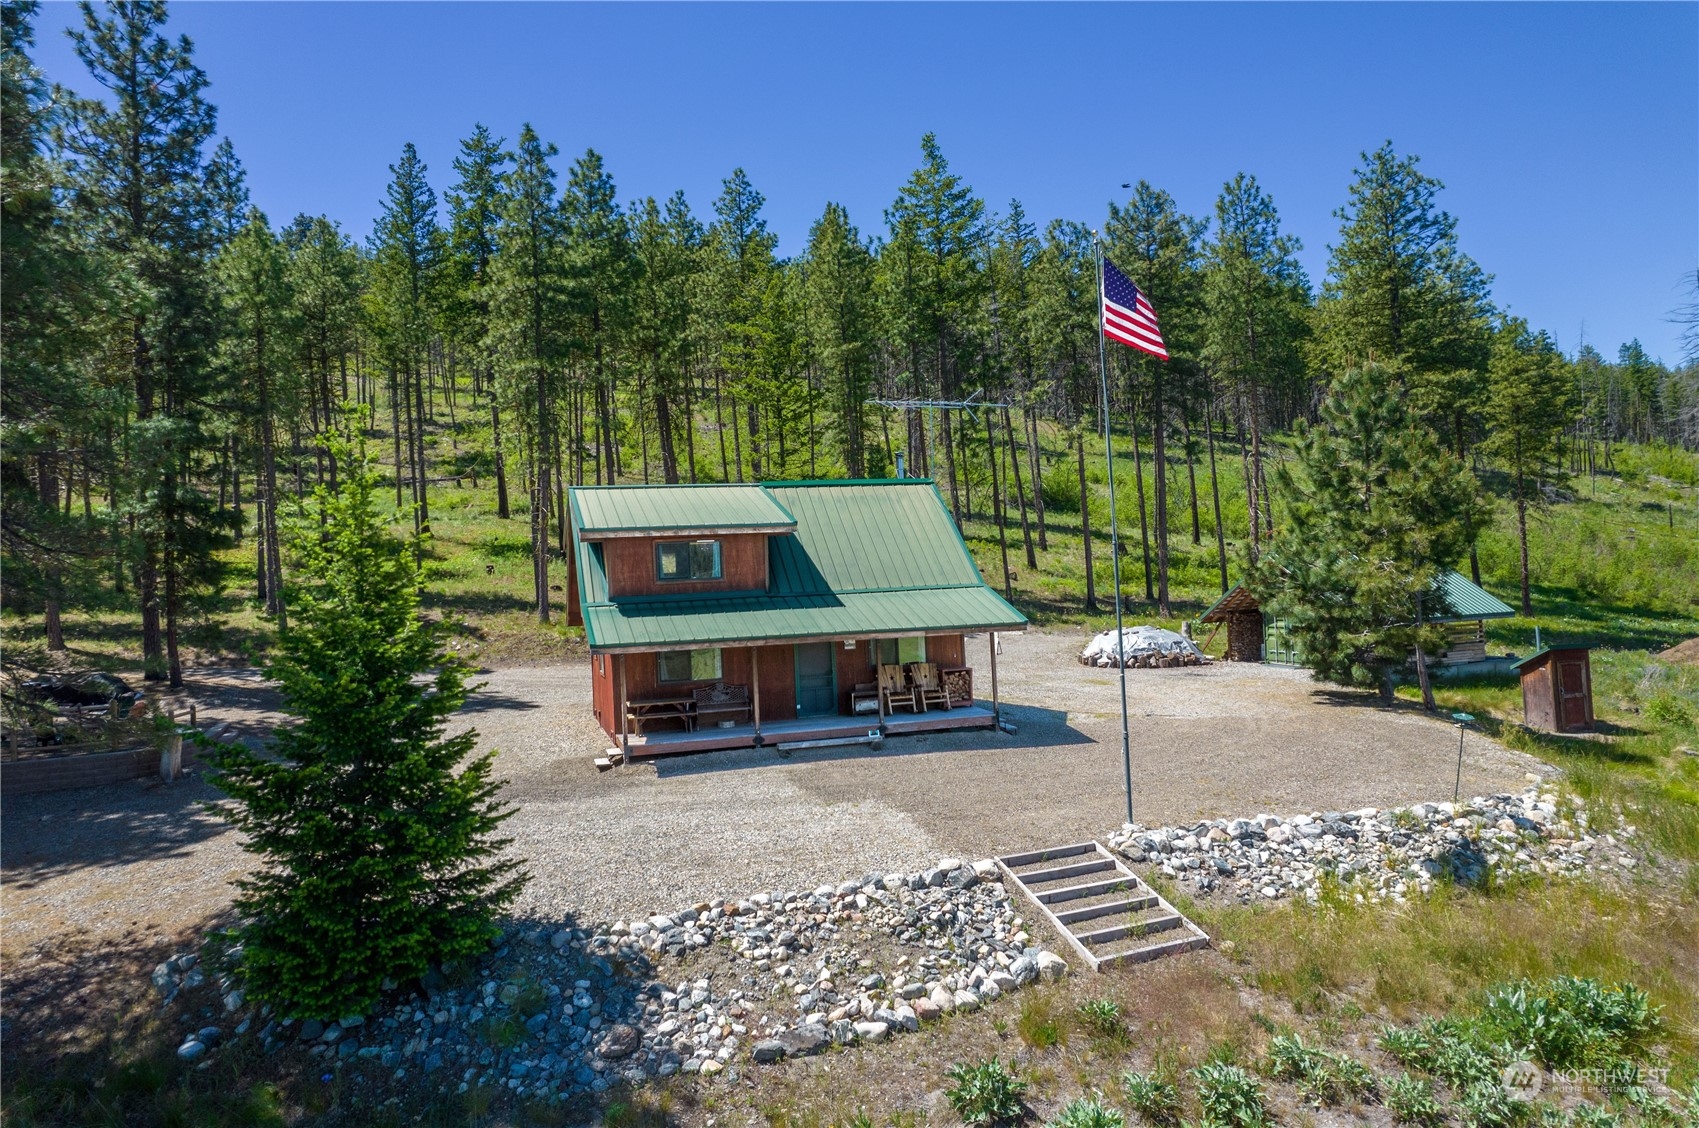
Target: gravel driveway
(1225,739)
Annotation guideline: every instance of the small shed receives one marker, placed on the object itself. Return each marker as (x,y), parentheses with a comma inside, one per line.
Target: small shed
(1242,614)
(1557,689)
(1256,636)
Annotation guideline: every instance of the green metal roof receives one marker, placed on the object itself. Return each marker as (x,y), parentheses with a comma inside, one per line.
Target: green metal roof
(612,510)
(1469,600)
(1466,599)
(866,559)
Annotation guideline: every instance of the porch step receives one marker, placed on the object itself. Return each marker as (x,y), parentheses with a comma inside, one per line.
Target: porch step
(1110,910)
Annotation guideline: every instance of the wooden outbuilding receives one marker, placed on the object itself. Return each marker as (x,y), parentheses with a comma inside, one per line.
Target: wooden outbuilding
(1557,689)
(732,616)
(1253,635)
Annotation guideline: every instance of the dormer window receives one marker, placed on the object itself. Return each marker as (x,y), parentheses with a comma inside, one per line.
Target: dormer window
(687,560)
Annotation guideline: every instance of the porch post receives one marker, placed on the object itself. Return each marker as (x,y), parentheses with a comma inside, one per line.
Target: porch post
(619,706)
(996,709)
(755,691)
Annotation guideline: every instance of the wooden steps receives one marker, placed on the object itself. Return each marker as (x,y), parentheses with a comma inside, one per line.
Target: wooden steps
(1109,916)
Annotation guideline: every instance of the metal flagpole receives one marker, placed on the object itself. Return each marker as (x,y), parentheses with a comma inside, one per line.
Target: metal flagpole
(1114,532)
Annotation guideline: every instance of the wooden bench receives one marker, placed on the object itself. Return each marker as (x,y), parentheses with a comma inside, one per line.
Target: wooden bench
(721,702)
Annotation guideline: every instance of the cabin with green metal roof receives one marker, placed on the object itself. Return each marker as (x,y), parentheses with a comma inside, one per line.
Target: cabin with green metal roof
(724,616)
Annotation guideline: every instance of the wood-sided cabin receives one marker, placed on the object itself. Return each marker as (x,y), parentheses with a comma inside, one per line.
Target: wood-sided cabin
(728,616)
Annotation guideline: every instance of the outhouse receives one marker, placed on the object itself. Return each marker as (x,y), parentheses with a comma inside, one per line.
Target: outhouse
(1557,689)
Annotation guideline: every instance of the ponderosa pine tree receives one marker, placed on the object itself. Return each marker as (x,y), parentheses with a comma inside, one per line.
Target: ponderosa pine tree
(598,277)
(256,295)
(1374,510)
(528,298)
(475,205)
(937,228)
(139,183)
(325,275)
(1526,410)
(838,307)
(1255,304)
(374,832)
(55,306)
(1160,248)
(666,245)
(402,300)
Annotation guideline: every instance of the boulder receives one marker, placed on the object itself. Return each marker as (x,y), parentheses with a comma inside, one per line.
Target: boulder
(620,1041)
(1051,967)
(809,1038)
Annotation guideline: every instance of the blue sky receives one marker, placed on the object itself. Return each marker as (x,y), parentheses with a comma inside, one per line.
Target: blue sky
(1567,134)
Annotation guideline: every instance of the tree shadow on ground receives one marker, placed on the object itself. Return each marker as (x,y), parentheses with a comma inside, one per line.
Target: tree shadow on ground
(50,834)
(485,701)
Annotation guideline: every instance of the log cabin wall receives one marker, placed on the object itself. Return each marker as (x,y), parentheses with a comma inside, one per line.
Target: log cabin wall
(630,563)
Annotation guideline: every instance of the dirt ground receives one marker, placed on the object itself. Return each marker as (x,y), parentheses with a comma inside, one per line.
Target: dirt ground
(145,859)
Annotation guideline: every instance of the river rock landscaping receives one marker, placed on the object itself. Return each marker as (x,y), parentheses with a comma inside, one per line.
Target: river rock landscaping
(555,1012)
(1378,855)
(725,984)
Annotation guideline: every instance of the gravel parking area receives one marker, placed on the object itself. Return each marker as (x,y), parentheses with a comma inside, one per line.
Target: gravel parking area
(1207,741)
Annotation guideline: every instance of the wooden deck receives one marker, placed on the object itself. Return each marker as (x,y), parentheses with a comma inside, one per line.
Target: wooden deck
(807,728)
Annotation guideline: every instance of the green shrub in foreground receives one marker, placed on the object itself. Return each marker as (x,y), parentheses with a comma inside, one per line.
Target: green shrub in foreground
(1088,1112)
(1157,1101)
(1412,1101)
(1230,1096)
(986,1092)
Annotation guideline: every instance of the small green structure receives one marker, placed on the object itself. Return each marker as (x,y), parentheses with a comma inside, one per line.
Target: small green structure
(1253,635)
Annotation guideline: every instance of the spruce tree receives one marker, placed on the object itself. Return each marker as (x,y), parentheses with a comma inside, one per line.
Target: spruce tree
(375,832)
(1374,510)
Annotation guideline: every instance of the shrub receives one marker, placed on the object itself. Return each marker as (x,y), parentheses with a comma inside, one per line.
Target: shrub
(1156,1100)
(1487,1104)
(1586,1115)
(1230,1096)
(1332,1080)
(1412,1101)
(987,1092)
(1088,1112)
(1408,1046)
(1568,1021)
(1103,1018)
(1289,1059)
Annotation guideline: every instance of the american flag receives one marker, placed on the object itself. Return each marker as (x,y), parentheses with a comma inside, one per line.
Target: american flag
(1127,314)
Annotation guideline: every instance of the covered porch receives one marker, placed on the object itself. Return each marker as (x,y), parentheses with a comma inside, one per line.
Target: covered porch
(793,692)
(804,730)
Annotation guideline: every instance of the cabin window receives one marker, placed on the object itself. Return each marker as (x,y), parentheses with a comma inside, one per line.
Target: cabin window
(899,651)
(687,560)
(687,665)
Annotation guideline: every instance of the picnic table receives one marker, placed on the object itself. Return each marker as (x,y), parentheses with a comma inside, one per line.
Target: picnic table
(661,708)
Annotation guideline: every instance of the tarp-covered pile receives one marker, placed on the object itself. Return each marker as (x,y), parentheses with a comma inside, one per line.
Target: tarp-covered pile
(1143,646)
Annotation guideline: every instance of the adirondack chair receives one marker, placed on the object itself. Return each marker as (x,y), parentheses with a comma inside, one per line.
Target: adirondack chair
(895,690)
(927,682)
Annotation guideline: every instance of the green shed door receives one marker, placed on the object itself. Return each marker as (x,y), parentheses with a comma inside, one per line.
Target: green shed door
(1277,642)
(816,680)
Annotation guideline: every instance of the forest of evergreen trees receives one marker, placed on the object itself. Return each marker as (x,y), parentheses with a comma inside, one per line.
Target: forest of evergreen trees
(175,359)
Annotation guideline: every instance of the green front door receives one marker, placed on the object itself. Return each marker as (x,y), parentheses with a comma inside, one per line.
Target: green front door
(816,680)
